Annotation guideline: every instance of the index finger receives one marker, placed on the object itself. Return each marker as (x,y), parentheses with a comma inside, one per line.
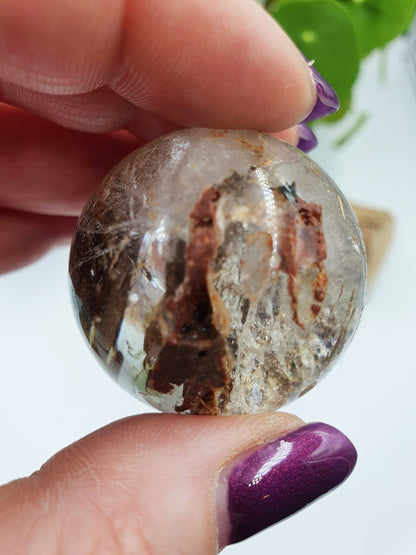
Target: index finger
(216,64)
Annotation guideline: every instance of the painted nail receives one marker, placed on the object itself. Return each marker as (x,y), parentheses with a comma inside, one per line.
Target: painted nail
(327,101)
(307,139)
(282,477)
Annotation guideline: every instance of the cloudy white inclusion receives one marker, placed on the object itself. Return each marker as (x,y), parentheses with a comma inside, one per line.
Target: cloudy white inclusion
(270,204)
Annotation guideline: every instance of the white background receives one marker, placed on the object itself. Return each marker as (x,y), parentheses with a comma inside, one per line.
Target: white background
(53,392)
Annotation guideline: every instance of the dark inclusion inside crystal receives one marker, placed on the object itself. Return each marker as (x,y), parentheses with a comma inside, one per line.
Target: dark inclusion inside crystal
(199,350)
(193,354)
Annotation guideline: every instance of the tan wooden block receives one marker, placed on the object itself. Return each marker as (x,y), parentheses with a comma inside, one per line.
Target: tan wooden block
(377,230)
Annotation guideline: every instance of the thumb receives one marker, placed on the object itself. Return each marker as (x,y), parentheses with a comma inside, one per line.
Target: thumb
(172,484)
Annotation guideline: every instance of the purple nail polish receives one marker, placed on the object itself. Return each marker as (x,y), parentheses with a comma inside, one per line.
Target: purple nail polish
(327,101)
(282,477)
(307,139)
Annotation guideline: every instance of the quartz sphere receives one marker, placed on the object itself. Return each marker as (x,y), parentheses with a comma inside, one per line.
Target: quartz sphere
(217,272)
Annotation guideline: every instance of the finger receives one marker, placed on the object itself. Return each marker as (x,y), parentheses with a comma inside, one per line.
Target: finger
(172,484)
(291,135)
(24,237)
(222,64)
(50,170)
(46,169)
(97,111)
(46,174)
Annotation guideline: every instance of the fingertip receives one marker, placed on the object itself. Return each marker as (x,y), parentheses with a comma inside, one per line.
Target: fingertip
(231,67)
(272,482)
(149,480)
(225,65)
(290,135)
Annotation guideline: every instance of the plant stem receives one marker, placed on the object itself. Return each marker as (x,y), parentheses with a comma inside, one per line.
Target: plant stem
(355,127)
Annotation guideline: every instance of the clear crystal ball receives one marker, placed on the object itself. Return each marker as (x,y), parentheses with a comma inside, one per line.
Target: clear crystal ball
(217,272)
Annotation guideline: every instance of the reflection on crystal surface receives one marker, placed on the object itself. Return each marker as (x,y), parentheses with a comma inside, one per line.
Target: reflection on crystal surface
(218,272)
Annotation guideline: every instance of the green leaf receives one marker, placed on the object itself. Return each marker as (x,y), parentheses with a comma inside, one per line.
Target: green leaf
(323,31)
(376,22)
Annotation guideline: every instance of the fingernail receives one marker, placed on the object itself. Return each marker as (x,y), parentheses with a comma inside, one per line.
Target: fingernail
(307,139)
(327,101)
(280,478)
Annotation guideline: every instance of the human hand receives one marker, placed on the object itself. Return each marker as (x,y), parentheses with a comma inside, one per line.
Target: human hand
(94,67)
(146,484)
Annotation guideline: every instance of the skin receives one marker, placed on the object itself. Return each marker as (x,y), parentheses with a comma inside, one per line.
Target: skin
(80,87)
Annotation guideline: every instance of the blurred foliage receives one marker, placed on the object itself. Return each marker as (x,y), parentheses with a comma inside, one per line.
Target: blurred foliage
(338,34)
